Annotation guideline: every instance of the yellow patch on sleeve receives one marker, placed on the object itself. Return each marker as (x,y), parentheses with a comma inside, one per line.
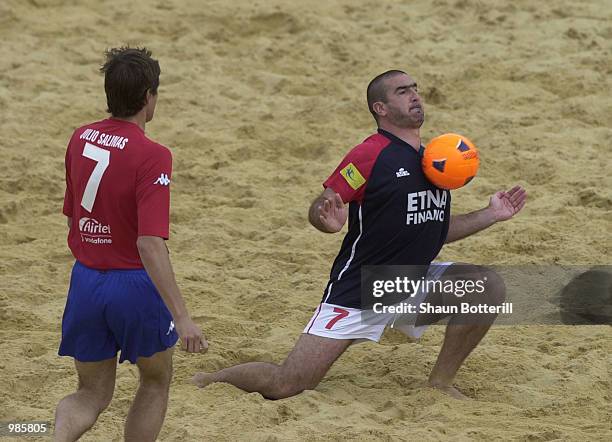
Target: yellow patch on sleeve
(352,176)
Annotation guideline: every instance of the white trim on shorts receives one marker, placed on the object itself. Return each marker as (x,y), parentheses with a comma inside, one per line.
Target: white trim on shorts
(338,322)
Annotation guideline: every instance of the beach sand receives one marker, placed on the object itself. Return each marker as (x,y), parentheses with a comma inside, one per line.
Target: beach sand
(259,101)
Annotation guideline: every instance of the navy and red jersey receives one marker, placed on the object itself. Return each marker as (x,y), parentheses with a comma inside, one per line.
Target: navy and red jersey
(396,216)
(117,188)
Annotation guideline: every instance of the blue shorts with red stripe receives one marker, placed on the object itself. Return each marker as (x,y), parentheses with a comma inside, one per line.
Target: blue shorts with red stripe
(111,310)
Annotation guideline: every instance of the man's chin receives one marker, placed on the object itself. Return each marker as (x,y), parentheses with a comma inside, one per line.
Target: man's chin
(415,123)
(415,120)
(410,121)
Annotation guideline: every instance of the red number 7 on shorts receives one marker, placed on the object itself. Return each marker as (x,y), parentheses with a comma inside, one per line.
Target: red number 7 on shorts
(341,314)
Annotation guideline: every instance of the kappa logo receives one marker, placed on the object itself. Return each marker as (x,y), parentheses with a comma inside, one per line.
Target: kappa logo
(400,173)
(170,328)
(163,180)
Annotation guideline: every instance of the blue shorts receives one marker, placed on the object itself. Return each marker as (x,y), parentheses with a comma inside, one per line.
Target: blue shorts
(112,310)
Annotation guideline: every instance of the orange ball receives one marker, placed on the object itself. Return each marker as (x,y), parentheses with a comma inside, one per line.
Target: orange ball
(450,161)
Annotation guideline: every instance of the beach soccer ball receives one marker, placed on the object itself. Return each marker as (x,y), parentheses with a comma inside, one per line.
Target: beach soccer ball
(450,161)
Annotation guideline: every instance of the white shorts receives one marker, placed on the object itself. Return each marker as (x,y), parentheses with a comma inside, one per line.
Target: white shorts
(338,322)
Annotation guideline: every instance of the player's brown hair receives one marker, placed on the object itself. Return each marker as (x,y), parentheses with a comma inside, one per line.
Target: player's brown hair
(377,90)
(128,74)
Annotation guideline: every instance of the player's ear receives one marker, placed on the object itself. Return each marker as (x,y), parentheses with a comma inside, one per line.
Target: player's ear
(380,108)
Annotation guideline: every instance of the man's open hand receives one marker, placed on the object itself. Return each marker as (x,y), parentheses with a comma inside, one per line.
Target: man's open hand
(504,205)
(333,214)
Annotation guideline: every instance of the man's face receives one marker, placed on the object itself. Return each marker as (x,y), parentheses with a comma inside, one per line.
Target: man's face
(404,107)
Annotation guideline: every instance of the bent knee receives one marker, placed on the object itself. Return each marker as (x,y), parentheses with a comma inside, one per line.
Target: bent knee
(156,380)
(156,371)
(105,402)
(283,391)
(495,288)
(101,398)
(156,376)
(288,386)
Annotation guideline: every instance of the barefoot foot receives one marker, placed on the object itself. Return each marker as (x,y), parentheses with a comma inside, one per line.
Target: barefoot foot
(202,379)
(451,391)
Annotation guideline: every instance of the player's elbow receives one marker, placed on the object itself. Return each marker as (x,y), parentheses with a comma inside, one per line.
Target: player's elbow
(149,245)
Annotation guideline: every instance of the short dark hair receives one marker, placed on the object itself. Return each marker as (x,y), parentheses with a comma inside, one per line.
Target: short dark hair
(377,91)
(128,74)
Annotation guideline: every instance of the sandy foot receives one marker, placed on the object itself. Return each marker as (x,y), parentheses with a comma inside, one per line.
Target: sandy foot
(202,379)
(451,391)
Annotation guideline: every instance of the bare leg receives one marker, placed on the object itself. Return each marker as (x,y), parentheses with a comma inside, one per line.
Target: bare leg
(459,341)
(303,369)
(78,412)
(146,415)
(463,332)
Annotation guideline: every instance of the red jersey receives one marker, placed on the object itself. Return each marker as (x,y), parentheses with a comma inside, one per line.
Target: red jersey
(117,188)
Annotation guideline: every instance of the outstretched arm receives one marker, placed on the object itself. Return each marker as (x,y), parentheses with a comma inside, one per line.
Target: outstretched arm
(502,206)
(155,258)
(328,213)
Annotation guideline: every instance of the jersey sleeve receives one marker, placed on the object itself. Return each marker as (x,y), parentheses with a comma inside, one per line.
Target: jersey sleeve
(352,174)
(68,195)
(153,194)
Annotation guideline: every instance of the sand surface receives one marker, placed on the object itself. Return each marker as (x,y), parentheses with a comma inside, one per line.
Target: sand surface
(259,100)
